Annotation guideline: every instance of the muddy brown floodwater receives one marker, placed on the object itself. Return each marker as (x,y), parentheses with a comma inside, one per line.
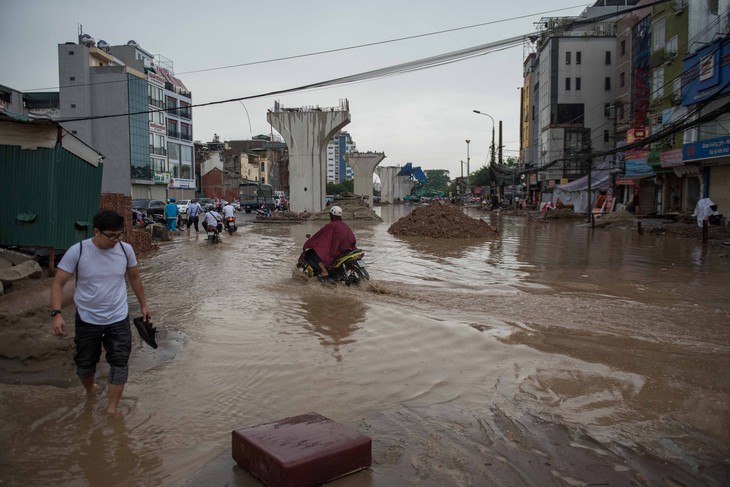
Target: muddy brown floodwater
(552,354)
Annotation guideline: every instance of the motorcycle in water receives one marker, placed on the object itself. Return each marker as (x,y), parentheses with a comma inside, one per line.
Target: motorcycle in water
(213,232)
(348,268)
(263,212)
(214,236)
(231,225)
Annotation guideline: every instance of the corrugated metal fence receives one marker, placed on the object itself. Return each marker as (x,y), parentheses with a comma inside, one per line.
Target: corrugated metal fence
(49,197)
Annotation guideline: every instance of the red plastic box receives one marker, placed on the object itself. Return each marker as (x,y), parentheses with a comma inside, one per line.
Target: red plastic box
(301,451)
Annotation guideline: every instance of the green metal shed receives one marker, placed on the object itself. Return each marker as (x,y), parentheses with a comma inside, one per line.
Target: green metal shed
(50,185)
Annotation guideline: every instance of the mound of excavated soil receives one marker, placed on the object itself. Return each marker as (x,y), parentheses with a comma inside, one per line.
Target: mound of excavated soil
(441,220)
(618,217)
(353,208)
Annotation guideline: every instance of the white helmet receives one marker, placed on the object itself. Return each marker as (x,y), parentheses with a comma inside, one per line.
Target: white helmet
(336,211)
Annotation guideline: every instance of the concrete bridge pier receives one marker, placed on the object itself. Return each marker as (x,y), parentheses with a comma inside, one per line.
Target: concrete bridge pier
(363,166)
(387,183)
(307,131)
(393,186)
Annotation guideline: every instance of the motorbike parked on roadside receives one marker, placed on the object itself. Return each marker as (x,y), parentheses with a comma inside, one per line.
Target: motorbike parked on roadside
(263,212)
(348,268)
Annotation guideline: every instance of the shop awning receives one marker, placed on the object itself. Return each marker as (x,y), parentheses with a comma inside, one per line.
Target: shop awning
(599,180)
(682,171)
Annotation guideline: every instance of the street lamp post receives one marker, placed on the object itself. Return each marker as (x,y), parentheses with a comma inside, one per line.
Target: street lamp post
(491,150)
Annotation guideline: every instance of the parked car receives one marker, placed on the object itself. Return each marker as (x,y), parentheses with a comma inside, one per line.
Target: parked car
(182,206)
(206,203)
(149,207)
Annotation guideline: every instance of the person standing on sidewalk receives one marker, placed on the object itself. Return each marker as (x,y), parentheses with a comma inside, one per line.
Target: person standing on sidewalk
(101,264)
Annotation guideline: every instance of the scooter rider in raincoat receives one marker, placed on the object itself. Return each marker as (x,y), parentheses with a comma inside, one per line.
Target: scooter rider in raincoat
(329,242)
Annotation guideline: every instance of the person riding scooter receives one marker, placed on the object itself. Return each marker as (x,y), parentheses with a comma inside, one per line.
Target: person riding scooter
(329,242)
(213,221)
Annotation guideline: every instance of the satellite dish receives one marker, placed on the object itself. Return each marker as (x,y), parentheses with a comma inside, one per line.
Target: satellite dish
(87,40)
(131,42)
(102,44)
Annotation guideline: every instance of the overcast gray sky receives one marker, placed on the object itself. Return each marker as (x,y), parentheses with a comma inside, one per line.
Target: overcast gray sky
(423,117)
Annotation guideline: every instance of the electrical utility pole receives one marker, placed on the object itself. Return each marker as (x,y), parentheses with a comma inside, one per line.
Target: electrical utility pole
(468,185)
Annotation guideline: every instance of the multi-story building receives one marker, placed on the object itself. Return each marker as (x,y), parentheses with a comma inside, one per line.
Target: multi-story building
(337,168)
(568,93)
(705,88)
(224,164)
(669,71)
(129,105)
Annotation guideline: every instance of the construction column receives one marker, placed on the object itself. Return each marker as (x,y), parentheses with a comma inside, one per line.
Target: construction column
(307,131)
(363,166)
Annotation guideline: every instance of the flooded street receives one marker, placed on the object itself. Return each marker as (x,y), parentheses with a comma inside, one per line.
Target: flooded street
(553,354)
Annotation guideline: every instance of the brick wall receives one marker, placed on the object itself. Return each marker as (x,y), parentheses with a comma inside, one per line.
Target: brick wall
(139,239)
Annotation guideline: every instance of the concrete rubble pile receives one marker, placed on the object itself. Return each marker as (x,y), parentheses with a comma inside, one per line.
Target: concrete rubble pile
(441,220)
(16,267)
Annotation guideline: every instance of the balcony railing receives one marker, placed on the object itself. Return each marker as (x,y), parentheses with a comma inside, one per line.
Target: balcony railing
(173,133)
(154,102)
(186,113)
(159,151)
(185,136)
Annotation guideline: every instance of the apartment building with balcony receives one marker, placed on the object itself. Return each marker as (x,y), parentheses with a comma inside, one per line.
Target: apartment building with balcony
(567,97)
(337,168)
(128,103)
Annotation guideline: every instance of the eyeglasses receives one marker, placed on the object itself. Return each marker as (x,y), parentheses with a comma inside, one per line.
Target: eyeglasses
(115,237)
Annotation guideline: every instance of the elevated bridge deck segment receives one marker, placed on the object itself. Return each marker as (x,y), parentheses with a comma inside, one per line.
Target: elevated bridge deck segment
(307,131)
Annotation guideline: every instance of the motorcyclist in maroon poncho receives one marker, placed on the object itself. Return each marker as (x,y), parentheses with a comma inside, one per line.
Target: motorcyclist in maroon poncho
(329,242)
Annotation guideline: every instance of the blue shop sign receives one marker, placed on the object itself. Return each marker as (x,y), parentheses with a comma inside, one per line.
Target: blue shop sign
(706,149)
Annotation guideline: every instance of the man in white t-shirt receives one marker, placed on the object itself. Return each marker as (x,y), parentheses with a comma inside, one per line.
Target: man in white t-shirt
(213,219)
(228,210)
(101,264)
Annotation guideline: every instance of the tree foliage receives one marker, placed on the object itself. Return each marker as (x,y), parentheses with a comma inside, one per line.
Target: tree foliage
(438,180)
(480,177)
(347,186)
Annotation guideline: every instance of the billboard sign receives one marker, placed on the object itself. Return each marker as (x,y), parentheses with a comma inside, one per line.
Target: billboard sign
(179,183)
(707,149)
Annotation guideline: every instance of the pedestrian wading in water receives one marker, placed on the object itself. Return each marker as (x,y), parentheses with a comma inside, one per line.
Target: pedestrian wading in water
(101,264)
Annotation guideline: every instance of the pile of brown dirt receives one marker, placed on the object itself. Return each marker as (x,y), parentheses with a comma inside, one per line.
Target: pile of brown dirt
(353,208)
(441,220)
(618,217)
(691,230)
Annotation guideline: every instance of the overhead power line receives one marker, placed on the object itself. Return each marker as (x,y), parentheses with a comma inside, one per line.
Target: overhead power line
(339,49)
(417,65)
(402,68)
